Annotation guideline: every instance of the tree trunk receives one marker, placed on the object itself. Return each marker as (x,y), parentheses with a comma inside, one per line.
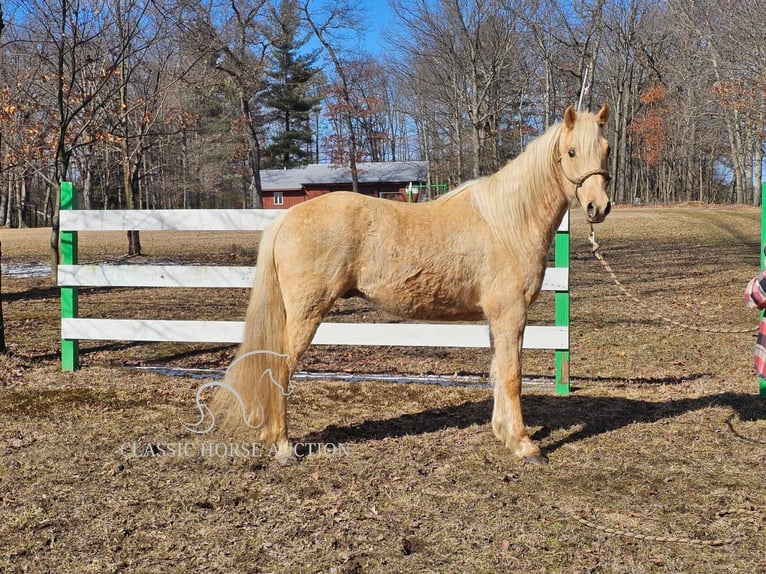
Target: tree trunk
(737,155)
(9,207)
(548,110)
(184,169)
(620,151)
(254,153)
(17,204)
(132,193)
(340,70)
(48,207)
(21,194)
(3,206)
(87,188)
(458,138)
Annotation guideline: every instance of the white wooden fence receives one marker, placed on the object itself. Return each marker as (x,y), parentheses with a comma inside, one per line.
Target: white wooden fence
(72,275)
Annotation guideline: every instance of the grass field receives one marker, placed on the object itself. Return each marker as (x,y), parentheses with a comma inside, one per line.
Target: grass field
(656,459)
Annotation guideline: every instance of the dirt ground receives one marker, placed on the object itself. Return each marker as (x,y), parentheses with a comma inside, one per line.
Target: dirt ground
(656,458)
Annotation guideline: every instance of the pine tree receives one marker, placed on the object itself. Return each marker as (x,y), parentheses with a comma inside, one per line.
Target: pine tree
(289,98)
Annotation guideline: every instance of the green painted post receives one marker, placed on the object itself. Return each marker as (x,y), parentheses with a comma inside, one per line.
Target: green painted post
(762,382)
(561,302)
(70,348)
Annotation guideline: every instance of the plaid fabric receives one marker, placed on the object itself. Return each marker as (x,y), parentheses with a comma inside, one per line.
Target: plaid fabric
(755,295)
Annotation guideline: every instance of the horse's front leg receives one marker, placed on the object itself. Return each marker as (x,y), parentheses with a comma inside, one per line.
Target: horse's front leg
(507,420)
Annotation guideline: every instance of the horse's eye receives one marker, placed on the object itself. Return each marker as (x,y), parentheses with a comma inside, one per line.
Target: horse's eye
(572,152)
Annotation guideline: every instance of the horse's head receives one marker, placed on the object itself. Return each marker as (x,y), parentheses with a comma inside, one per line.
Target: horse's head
(582,150)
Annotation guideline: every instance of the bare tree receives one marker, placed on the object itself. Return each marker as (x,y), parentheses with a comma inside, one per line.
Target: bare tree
(628,48)
(130,18)
(725,35)
(237,47)
(148,70)
(75,83)
(472,55)
(326,23)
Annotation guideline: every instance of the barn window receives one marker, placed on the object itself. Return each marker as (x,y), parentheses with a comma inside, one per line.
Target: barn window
(278,199)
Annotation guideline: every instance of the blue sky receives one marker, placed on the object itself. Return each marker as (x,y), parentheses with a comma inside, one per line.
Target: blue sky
(379,19)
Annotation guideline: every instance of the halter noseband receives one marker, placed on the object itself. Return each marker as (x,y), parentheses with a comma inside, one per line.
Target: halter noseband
(580,180)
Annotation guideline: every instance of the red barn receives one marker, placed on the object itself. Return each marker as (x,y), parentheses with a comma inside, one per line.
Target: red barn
(283,188)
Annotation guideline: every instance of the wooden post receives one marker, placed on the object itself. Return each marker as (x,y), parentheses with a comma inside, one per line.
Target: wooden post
(70,348)
(561,302)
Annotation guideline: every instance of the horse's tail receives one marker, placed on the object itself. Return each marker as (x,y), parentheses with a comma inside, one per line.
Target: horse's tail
(256,384)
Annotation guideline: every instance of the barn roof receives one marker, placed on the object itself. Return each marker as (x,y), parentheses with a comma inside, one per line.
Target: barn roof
(317,174)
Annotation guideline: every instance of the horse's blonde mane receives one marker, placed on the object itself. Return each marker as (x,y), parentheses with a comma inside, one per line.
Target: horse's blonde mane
(526,190)
(521,192)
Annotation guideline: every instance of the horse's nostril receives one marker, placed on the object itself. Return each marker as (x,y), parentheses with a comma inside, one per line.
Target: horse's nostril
(591,210)
(608,208)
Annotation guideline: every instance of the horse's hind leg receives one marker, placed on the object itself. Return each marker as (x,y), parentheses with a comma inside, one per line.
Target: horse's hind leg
(302,320)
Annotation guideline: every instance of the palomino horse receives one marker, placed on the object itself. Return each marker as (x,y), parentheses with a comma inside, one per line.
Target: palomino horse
(477,252)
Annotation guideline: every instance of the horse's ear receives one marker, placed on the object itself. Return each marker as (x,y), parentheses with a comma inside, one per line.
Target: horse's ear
(569,117)
(603,115)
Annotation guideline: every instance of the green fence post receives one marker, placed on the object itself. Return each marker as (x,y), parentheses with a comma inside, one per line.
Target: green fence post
(561,303)
(762,382)
(70,348)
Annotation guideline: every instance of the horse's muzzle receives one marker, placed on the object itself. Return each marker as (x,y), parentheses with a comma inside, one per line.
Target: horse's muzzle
(595,214)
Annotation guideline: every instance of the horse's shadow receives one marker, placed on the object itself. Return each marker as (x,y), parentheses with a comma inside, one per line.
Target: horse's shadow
(591,416)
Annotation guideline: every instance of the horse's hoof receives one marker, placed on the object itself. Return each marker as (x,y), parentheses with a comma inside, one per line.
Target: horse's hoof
(536,460)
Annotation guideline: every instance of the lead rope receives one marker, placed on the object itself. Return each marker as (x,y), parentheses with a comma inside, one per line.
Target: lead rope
(595,250)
